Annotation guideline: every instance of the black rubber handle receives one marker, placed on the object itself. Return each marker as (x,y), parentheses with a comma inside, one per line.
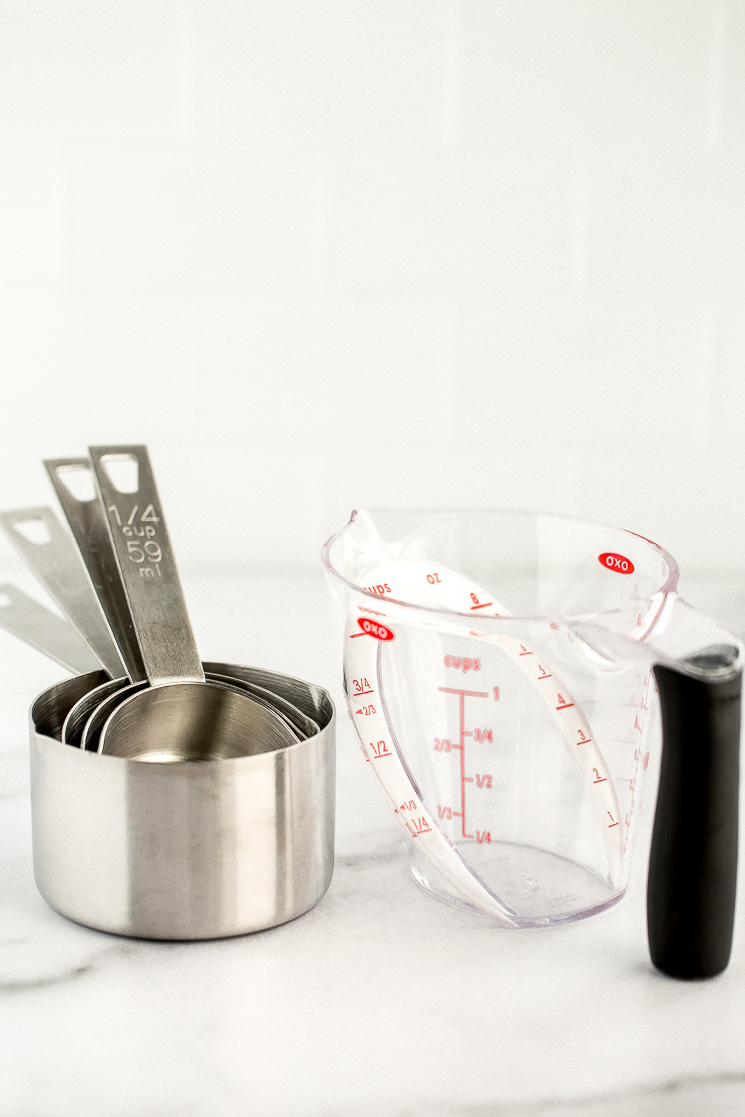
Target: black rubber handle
(693,859)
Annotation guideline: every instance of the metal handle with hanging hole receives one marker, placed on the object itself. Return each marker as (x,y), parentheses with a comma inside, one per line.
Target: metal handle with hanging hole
(51,554)
(140,539)
(87,522)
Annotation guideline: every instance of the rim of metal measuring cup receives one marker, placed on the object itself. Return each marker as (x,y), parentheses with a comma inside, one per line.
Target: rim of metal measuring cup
(51,706)
(291,718)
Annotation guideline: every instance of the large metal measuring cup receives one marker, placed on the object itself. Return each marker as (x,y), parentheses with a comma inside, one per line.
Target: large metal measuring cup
(183,851)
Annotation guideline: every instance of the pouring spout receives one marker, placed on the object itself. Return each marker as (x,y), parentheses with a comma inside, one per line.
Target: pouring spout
(689,641)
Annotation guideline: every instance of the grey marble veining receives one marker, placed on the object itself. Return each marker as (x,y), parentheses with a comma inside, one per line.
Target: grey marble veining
(379,1001)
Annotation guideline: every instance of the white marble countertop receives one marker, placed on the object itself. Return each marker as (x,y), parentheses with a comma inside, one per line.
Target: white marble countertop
(380,1000)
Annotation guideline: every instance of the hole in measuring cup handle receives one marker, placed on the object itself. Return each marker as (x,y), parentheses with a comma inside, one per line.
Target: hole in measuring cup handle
(123,471)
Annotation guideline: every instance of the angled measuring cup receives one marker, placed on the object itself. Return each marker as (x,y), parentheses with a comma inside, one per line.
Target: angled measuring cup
(514,746)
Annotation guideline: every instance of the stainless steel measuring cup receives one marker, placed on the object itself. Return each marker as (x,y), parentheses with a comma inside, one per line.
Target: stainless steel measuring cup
(183,851)
(50,554)
(180,714)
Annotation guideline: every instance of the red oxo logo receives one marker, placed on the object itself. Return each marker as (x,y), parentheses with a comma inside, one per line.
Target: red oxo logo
(616,562)
(375,628)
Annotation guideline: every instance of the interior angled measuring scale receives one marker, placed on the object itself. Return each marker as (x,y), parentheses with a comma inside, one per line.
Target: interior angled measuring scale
(368,632)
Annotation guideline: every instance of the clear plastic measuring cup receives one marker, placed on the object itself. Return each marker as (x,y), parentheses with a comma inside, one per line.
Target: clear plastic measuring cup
(502,672)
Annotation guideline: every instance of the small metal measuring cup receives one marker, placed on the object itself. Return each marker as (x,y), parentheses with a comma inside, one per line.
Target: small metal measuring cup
(180,715)
(51,554)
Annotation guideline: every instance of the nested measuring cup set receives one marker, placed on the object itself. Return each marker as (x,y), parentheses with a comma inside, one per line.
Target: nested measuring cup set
(170,799)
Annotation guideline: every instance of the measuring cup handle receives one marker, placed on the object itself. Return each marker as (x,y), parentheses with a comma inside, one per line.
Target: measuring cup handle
(693,858)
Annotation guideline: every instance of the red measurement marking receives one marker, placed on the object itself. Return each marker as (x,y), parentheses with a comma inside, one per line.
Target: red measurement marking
(462,734)
(484,605)
(525,653)
(612,822)
(354,635)
(543,677)
(359,693)
(462,706)
(600,779)
(467,693)
(566,706)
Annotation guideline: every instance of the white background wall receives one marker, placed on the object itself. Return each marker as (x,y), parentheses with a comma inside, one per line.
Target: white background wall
(325,253)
